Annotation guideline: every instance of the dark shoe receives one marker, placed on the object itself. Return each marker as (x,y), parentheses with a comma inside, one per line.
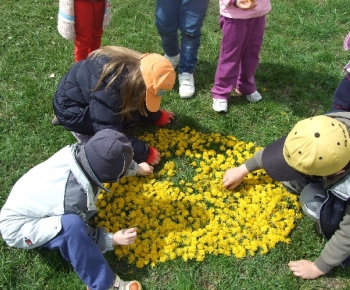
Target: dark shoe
(317,229)
(55,122)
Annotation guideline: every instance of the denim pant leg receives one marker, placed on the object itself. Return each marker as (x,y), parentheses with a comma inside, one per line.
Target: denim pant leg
(341,100)
(82,253)
(167,23)
(192,14)
(186,16)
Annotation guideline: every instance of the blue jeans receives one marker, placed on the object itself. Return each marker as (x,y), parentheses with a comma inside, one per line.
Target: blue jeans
(186,16)
(82,253)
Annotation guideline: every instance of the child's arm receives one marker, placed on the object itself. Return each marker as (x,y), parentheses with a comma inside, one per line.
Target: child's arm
(242,4)
(336,250)
(125,236)
(165,118)
(305,269)
(234,176)
(142,168)
(153,156)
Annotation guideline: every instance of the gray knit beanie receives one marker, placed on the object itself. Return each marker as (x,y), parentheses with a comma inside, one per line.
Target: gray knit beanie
(109,154)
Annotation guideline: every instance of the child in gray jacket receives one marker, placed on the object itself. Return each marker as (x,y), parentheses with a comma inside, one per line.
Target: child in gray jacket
(50,205)
(313,161)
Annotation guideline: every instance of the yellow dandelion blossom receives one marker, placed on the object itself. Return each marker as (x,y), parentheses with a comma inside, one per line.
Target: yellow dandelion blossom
(182,210)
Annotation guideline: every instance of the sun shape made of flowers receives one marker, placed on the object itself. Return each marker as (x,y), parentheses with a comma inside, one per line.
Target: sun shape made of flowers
(183,210)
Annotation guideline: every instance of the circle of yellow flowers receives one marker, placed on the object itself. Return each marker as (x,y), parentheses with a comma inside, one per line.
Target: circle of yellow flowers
(182,210)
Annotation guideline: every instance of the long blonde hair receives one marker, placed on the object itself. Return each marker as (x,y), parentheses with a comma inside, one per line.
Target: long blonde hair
(124,66)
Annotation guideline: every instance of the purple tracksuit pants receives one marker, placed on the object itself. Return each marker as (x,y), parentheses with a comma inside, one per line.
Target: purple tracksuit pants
(239,56)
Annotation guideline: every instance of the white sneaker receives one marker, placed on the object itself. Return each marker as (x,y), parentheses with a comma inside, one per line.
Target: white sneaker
(220,105)
(173,59)
(186,85)
(254,97)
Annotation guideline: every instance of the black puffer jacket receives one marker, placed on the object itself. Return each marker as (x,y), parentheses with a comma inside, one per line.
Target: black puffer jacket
(84,111)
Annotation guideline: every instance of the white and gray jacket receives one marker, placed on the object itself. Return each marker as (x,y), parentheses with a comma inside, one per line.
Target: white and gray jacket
(32,213)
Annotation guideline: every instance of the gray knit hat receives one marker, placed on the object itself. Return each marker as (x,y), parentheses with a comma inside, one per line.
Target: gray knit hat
(110,154)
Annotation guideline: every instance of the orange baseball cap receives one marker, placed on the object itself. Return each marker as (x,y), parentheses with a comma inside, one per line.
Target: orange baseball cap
(159,76)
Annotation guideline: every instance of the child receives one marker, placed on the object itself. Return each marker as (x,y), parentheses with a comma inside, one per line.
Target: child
(115,88)
(186,16)
(49,207)
(341,100)
(313,161)
(242,23)
(83,21)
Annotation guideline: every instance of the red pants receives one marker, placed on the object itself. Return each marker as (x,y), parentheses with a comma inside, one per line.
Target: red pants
(88,27)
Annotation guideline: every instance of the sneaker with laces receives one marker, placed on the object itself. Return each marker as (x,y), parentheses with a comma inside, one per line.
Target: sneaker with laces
(254,97)
(186,85)
(119,284)
(220,105)
(173,59)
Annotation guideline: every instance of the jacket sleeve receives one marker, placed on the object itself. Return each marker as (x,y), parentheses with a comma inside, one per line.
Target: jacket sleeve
(103,109)
(28,233)
(101,238)
(337,249)
(151,118)
(140,148)
(254,163)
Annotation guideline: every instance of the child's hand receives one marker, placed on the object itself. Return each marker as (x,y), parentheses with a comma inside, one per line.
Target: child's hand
(165,118)
(125,236)
(305,269)
(246,4)
(153,156)
(234,176)
(144,169)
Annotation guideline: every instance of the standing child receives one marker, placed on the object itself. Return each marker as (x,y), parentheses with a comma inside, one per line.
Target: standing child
(186,16)
(341,100)
(83,21)
(50,205)
(243,24)
(313,161)
(115,88)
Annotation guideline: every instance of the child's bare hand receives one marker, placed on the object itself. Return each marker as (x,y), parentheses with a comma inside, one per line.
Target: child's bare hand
(234,176)
(144,169)
(125,236)
(246,4)
(305,269)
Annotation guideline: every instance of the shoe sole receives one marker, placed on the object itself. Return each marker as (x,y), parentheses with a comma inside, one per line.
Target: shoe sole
(220,112)
(186,96)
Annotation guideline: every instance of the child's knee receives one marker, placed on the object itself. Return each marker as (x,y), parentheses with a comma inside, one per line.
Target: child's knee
(311,199)
(73,223)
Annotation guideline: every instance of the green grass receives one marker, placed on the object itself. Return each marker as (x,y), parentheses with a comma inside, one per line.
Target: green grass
(301,66)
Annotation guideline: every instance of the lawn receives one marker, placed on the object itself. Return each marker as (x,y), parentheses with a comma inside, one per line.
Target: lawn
(301,65)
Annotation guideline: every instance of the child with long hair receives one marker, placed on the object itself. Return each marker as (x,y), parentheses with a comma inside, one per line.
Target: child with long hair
(115,88)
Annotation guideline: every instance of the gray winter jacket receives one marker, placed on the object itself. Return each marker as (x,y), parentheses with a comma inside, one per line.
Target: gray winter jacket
(335,209)
(32,213)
